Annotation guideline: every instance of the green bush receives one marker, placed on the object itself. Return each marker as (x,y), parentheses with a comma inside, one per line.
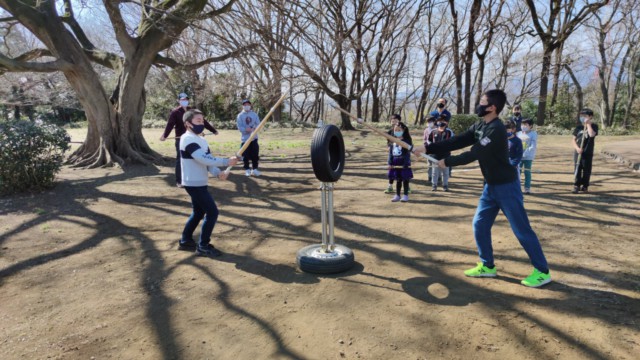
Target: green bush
(30,155)
(459,123)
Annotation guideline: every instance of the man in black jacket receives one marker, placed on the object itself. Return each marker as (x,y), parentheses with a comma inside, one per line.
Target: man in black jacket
(488,141)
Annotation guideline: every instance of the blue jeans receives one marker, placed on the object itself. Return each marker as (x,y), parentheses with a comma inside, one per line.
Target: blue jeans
(508,198)
(203,207)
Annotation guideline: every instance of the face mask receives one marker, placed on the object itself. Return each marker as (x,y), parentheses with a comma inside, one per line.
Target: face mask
(440,105)
(509,132)
(430,125)
(481,110)
(184,103)
(398,133)
(516,113)
(197,128)
(246,107)
(525,128)
(583,119)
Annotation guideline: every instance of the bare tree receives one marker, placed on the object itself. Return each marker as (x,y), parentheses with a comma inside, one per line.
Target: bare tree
(553,37)
(611,34)
(114,133)
(474,15)
(434,45)
(491,21)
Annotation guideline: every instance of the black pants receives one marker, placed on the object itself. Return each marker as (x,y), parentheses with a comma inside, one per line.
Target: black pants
(399,187)
(251,154)
(583,172)
(178,167)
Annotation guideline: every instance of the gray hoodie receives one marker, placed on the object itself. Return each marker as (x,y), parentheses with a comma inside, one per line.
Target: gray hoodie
(247,119)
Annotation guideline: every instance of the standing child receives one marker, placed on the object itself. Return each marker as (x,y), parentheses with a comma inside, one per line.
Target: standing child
(247,121)
(431,126)
(394,120)
(529,139)
(196,162)
(583,143)
(400,162)
(516,118)
(515,146)
(439,135)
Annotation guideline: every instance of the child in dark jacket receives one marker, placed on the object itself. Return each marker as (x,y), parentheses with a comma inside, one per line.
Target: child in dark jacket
(441,134)
(399,162)
(515,146)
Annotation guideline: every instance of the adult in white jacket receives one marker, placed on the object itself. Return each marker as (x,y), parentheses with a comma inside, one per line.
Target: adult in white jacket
(197,163)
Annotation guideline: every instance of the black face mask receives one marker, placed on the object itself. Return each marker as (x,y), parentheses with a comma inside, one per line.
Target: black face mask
(481,110)
(516,113)
(440,105)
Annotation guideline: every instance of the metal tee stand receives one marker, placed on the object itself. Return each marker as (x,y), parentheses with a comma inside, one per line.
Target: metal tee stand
(326,191)
(327,157)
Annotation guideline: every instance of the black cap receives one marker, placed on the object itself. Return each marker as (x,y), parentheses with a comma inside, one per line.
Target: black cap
(586,111)
(246,101)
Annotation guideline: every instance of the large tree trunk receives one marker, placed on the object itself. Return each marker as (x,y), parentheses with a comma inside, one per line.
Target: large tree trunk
(468,54)
(375,104)
(345,104)
(618,85)
(119,140)
(544,83)
(457,66)
(634,69)
(579,91)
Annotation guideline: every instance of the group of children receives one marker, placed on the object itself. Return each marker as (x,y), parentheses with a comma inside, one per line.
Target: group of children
(522,144)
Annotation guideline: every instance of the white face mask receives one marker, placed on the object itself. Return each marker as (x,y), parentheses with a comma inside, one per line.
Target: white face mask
(525,128)
(431,125)
(583,119)
(246,107)
(184,103)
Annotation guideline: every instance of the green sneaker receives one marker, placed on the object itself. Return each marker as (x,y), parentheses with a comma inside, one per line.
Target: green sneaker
(389,190)
(536,279)
(481,271)
(409,191)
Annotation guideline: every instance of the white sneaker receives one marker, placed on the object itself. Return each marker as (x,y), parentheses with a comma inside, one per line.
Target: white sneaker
(396,198)
(247,172)
(405,198)
(255,172)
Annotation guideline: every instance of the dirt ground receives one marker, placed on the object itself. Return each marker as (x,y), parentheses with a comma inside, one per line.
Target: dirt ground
(90,269)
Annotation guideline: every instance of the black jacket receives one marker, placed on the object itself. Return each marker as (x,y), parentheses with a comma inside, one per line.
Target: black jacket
(489,145)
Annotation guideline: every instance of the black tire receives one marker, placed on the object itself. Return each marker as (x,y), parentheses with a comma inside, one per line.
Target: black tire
(313,260)
(327,153)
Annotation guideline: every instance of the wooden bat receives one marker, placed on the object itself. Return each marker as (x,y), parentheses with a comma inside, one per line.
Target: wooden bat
(386,136)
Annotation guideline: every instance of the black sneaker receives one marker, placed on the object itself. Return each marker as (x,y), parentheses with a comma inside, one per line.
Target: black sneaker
(584,189)
(575,190)
(186,245)
(208,251)
(434,188)
(445,189)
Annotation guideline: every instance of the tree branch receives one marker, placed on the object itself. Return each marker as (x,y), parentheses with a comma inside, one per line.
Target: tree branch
(226,8)
(22,64)
(127,43)
(70,20)
(104,58)
(161,60)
